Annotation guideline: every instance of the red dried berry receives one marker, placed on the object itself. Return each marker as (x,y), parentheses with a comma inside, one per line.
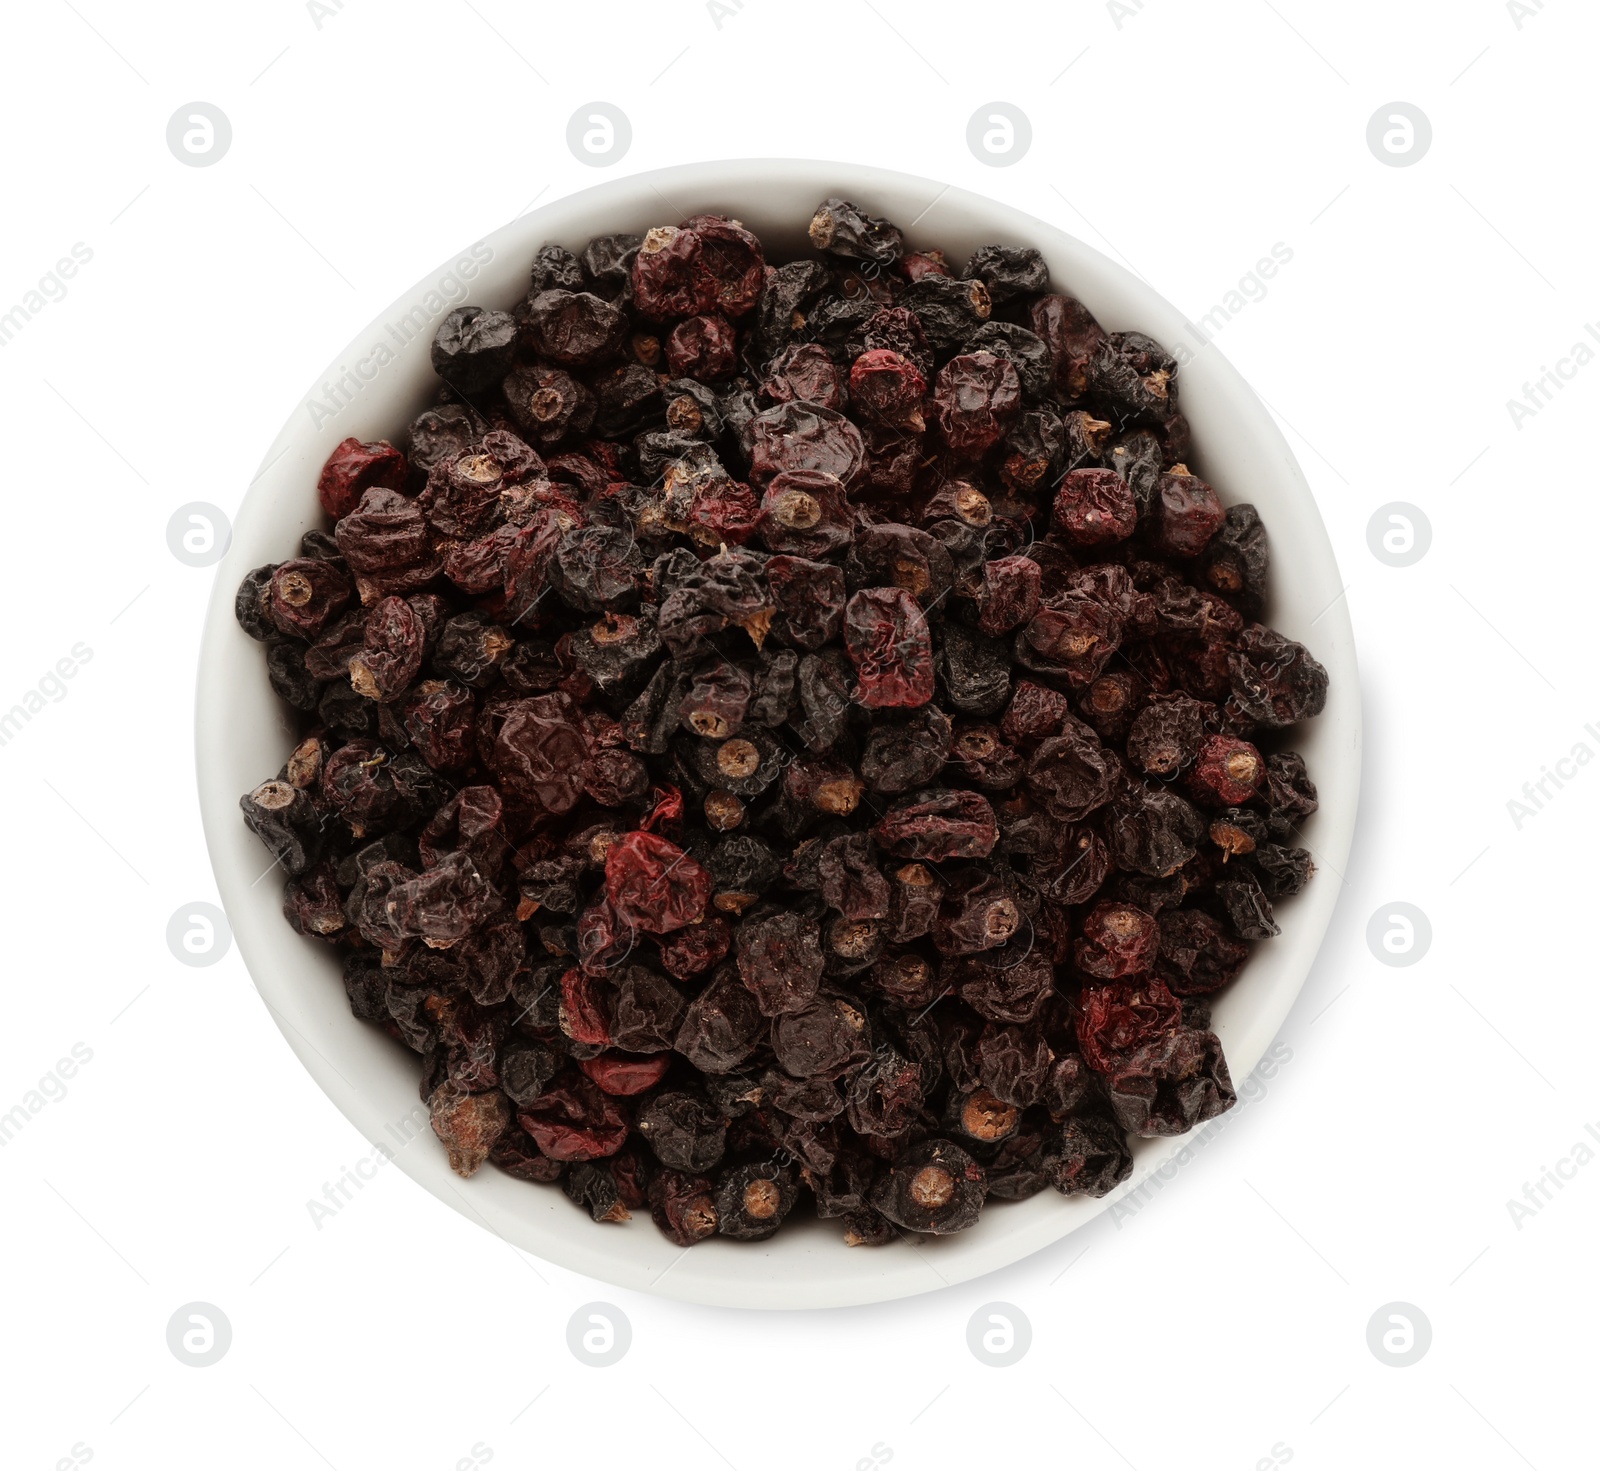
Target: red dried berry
(1073,337)
(583,1010)
(624,1077)
(575,1120)
(938,825)
(1010,594)
(891,647)
(383,532)
(732,257)
(539,750)
(915,893)
(975,398)
(805,372)
(979,913)
(888,388)
(1073,635)
(702,347)
(671,277)
(724,513)
(471,822)
(440,719)
(1115,1020)
(391,651)
(804,436)
(306,595)
(1095,508)
(1187,515)
(919,263)
(780,962)
(684,1207)
(355,468)
(1228,773)
(694,950)
(654,884)
(1118,941)
(805,513)
(1034,714)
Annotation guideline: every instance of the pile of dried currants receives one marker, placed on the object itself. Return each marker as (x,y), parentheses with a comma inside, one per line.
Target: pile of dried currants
(788,730)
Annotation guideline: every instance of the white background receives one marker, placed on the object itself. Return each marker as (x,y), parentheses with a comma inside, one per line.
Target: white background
(1225,1325)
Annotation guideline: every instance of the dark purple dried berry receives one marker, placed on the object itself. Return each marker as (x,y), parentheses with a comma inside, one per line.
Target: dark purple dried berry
(1169,1085)
(823,1039)
(844,229)
(935,1188)
(572,328)
(1275,681)
(684,1130)
(1088,1157)
(474,349)
(287,821)
(753,1199)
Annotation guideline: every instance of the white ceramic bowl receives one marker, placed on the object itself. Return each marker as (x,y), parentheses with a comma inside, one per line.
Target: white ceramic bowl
(242,735)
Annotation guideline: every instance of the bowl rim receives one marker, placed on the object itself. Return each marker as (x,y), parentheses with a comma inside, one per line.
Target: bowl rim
(806,1271)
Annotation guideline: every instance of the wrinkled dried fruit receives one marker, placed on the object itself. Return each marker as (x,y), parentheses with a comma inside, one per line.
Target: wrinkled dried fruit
(784,728)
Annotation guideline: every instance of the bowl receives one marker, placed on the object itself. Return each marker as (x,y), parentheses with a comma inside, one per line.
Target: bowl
(374,388)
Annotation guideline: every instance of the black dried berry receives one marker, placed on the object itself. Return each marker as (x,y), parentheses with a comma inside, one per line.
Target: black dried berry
(935,1187)
(753,1199)
(474,349)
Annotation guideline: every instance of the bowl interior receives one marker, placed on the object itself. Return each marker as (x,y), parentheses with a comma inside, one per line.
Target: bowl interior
(373,390)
